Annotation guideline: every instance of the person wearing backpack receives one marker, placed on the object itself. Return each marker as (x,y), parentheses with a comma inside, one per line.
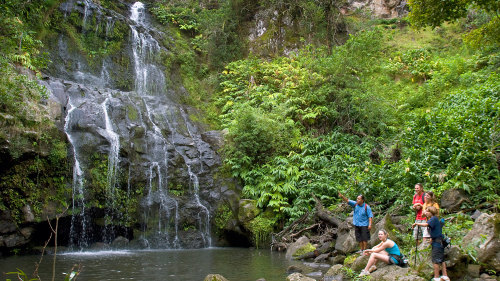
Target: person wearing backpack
(418,202)
(436,231)
(362,220)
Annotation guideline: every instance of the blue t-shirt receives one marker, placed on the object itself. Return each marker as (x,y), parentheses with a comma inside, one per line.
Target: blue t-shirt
(435,227)
(360,217)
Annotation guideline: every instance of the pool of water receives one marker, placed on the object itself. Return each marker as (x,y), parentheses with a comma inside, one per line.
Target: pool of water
(235,264)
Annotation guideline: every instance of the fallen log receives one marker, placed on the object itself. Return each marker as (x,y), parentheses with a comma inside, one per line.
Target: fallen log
(325,215)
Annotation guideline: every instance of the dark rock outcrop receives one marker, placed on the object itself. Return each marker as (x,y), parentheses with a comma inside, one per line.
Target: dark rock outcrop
(452,199)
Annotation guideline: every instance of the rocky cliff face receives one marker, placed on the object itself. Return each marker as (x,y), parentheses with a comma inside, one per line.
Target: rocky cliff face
(384,9)
(282,28)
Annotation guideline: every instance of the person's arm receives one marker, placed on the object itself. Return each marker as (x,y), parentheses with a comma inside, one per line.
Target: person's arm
(419,224)
(343,197)
(417,205)
(370,223)
(379,248)
(367,252)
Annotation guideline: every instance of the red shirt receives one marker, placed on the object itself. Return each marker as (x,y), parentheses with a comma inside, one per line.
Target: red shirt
(418,199)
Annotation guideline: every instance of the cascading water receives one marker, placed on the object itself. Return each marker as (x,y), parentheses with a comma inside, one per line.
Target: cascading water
(77,221)
(113,161)
(154,153)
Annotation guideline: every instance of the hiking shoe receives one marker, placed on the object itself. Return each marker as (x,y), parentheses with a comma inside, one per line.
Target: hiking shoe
(363,273)
(445,278)
(436,279)
(372,268)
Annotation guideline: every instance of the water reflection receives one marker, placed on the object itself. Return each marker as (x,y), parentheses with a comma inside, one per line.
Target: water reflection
(236,264)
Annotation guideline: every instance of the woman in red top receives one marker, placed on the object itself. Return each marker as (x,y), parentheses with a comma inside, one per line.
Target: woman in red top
(418,202)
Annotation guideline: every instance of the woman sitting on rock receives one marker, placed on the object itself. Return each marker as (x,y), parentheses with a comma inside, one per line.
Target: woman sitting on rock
(387,251)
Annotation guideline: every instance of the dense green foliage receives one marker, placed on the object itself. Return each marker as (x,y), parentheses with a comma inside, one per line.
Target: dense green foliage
(306,124)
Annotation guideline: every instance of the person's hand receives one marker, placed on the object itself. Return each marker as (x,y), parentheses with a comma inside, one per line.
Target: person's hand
(413,225)
(369,227)
(367,252)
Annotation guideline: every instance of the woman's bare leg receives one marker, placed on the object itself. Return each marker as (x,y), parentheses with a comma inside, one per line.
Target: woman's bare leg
(383,256)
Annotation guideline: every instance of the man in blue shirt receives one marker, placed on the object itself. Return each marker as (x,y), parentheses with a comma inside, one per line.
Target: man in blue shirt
(362,220)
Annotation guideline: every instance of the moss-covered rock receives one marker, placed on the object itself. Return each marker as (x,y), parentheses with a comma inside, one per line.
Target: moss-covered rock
(247,210)
(307,248)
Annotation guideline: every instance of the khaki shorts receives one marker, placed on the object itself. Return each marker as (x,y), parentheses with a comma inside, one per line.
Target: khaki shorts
(419,229)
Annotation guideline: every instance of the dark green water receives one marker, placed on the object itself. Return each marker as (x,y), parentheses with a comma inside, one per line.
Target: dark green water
(236,264)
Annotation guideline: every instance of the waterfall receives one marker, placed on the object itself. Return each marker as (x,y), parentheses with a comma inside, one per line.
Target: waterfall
(203,219)
(156,157)
(77,221)
(113,161)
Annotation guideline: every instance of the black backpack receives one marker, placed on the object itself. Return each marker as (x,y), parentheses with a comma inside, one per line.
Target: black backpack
(402,260)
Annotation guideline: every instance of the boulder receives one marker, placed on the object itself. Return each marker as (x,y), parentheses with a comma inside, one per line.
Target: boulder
(359,263)
(338,259)
(294,247)
(214,138)
(14,240)
(346,241)
(473,270)
(456,262)
(393,273)
(334,273)
(484,237)
(298,277)
(247,210)
(120,242)
(140,243)
(455,257)
(321,258)
(293,269)
(214,277)
(486,277)
(452,199)
(7,224)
